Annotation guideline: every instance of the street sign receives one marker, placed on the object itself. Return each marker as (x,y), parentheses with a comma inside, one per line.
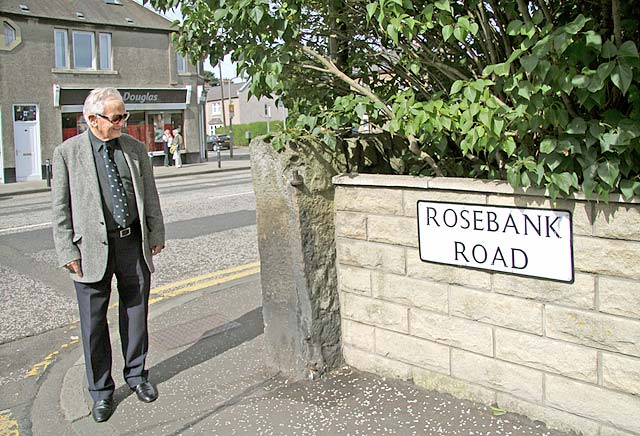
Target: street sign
(523,241)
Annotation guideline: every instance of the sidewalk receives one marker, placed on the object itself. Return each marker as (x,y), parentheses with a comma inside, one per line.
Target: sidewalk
(240,161)
(206,357)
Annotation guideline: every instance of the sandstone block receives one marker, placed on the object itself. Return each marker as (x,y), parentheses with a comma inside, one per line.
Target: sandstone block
(412,350)
(351,225)
(593,329)
(607,257)
(618,410)
(353,279)
(393,230)
(547,355)
(370,255)
(522,382)
(358,335)
(581,293)
(621,373)
(376,364)
(459,388)
(449,330)
(369,199)
(608,431)
(375,312)
(422,294)
(617,221)
(619,296)
(496,309)
(444,273)
(411,198)
(553,418)
(581,211)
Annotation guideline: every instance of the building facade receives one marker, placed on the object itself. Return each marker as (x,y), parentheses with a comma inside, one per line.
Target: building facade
(245,110)
(53,53)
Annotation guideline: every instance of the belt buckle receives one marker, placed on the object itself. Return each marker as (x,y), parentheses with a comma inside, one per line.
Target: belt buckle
(125,232)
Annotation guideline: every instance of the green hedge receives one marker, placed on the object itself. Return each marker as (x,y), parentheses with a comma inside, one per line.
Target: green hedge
(256,129)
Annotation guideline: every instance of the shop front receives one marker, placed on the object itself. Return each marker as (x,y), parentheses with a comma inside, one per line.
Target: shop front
(152,112)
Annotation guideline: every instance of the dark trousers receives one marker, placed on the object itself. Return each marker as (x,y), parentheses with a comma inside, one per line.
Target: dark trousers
(167,154)
(127,263)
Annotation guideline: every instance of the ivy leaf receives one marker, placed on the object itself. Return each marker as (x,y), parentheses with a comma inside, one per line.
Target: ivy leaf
(565,181)
(447,31)
(548,145)
(256,14)
(509,146)
(443,5)
(608,171)
(594,40)
(371,9)
(460,34)
(621,77)
(609,49)
(498,124)
(577,126)
(628,49)
(529,63)
(456,87)
(629,188)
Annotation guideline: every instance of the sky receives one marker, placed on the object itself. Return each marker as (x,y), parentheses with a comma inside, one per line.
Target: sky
(228,67)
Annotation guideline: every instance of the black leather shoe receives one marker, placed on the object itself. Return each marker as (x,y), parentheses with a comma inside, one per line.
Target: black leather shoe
(102,410)
(146,392)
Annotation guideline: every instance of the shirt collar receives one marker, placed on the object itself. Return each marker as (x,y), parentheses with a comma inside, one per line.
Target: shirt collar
(97,144)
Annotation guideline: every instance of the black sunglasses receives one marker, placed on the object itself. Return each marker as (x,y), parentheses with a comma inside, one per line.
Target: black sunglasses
(115,119)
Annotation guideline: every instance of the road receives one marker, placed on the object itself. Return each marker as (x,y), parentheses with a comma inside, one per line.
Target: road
(210,223)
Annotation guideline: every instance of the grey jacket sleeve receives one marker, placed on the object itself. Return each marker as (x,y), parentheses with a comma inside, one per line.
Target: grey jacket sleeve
(62,222)
(153,213)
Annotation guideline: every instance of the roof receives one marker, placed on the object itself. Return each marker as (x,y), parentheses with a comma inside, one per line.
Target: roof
(124,13)
(214,92)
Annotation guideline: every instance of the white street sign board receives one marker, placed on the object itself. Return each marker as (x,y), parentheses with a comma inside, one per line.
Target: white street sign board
(524,241)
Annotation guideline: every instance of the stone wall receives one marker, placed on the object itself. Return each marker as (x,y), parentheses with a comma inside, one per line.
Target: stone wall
(564,354)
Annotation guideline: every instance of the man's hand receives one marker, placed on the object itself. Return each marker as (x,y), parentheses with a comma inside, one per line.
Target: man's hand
(156,249)
(75,267)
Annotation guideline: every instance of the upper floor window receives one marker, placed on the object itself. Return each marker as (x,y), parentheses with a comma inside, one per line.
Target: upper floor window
(105,51)
(61,52)
(10,34)
(87,51)
(84,53)
(182,63)
(216,107)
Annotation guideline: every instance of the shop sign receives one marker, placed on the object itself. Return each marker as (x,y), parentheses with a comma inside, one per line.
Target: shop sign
(130,96)
(523,241)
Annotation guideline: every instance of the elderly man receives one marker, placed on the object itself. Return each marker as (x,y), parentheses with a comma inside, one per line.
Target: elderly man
(107,221)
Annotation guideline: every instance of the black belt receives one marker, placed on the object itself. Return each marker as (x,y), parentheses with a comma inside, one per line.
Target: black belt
(122,233)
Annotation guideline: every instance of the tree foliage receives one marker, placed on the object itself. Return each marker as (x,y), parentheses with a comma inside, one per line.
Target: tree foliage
(542,93)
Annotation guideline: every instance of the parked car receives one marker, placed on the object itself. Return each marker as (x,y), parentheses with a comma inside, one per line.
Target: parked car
(222,141)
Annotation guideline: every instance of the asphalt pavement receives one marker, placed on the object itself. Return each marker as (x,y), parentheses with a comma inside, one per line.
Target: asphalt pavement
(207,359)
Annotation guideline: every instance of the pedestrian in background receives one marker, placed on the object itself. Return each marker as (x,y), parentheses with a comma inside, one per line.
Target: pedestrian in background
(167,138)
(107,221)
(177,144)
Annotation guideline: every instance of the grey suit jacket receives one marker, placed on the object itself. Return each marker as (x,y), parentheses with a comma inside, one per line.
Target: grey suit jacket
(79,229)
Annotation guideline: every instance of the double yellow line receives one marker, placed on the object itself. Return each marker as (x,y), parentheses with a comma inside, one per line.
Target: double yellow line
(159,294)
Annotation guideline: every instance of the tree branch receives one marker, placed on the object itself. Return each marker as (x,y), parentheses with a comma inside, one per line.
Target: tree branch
(615,14)
(414,145)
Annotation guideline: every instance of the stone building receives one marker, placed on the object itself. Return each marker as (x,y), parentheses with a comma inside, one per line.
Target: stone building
(53,53)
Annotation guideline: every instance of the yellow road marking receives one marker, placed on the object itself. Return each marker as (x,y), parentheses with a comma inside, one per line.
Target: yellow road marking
(204,285)
(223,276)
(8,425)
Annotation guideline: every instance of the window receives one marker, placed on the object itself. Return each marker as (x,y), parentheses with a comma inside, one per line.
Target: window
(182,63)
(61,53)
(105,51)
(216,107)
(10,34)
(84,51)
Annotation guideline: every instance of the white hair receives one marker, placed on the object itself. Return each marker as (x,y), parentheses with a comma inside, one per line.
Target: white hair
(94,103)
